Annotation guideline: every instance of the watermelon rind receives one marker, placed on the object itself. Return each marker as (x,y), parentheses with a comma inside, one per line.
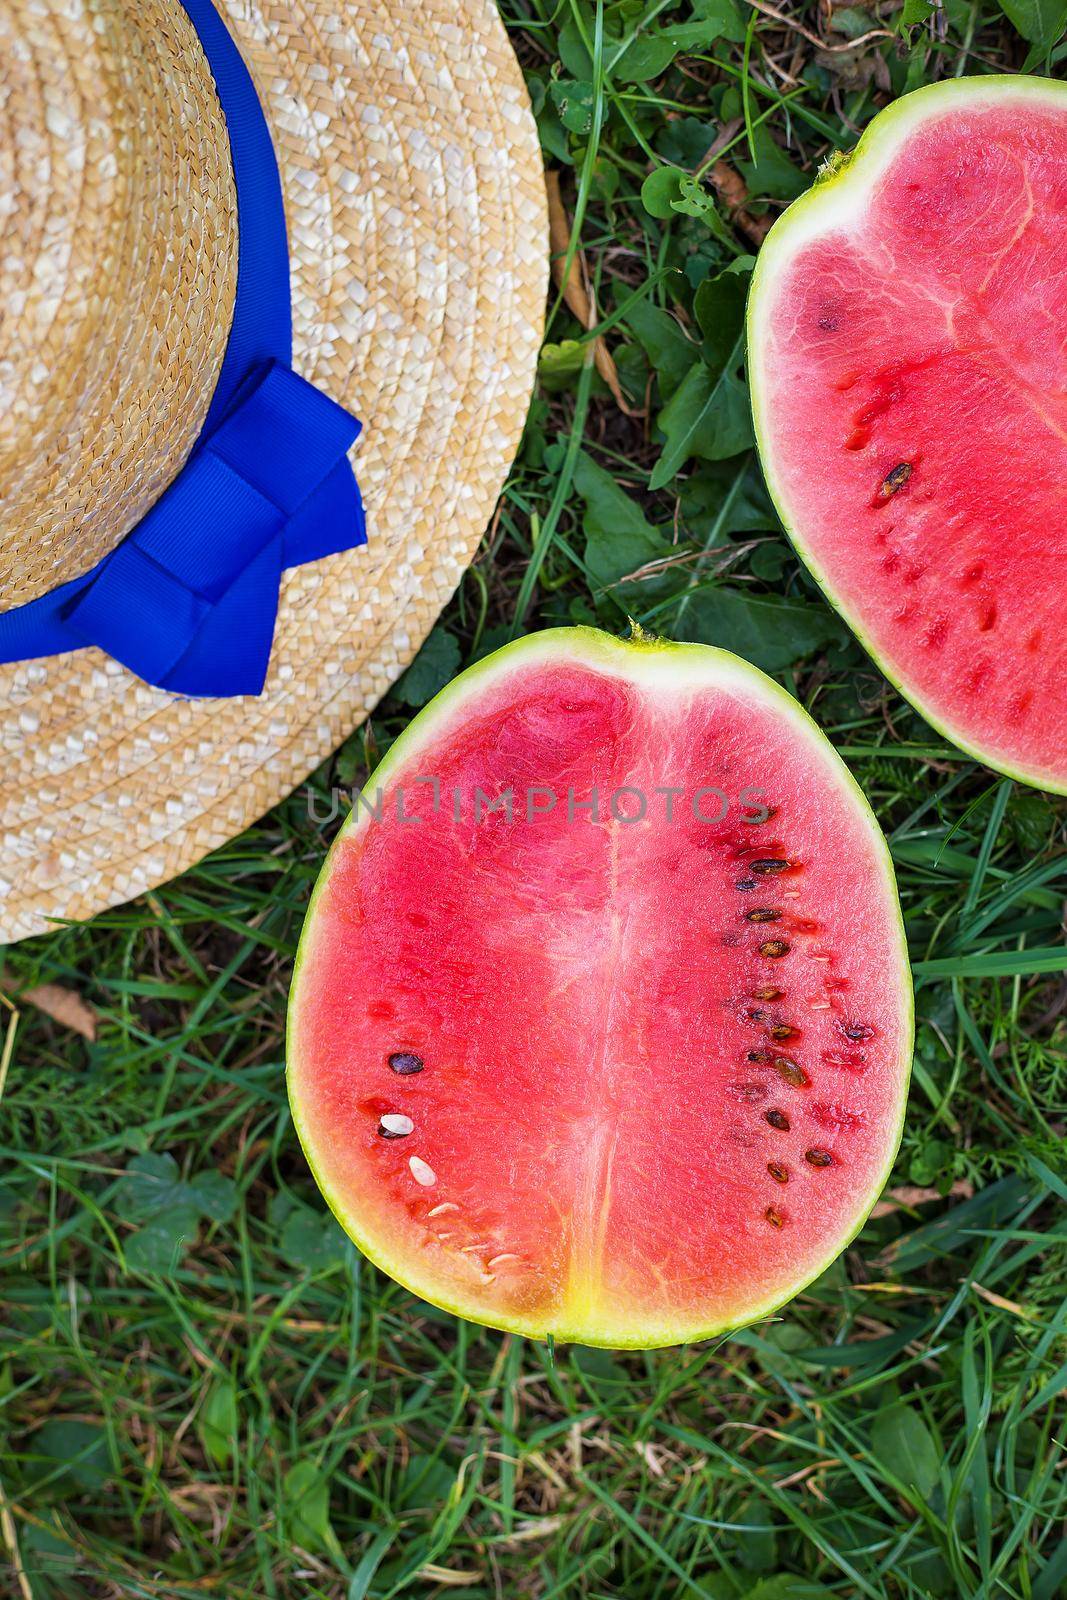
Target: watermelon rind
(838,194)
(680,662)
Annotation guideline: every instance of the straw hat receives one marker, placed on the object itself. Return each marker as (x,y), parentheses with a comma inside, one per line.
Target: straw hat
(415,213)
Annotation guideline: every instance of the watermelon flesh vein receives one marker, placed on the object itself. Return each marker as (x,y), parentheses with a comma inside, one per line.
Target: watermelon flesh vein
(605,1034)
(909,368)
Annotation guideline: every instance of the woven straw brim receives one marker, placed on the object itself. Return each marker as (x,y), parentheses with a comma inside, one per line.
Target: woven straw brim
(416,213)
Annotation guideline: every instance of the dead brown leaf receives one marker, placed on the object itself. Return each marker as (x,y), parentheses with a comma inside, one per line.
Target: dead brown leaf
(63,1006)
(575,290)
(907,1197)
(731,187)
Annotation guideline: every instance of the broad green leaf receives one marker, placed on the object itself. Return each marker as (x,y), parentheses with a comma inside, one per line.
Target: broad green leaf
(719,307)
(213,1194)
(598,1365)
(666,346)
(904,1445)
(153,1191)
(618,536)
(573,99)
(769,561)
(668,191)
(653,51)
(660,190)
(708,415)
(770,632)
(648,56)
(47,1555)
(306,1499)
(559,364)
(915,12)
(311,1240)
(1032,820)
(218,1421)
(852,21)
(696,201)
(573,51)
(757,1544)
(151,1183)
(425,1481)
(158,1247)
(776,1344)
(724,498)
(771,174)
(722,1584)
(1041,22)
(726,16)
(685,142)
(81,1449)
(552,135)
(435,665)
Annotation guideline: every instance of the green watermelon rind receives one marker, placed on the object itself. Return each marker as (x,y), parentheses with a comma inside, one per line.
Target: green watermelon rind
(846,179)
(591,646)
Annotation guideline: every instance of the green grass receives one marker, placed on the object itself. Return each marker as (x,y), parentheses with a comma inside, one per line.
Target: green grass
(203,1389)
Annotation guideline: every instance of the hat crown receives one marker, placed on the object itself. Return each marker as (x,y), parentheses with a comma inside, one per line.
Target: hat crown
(118,272)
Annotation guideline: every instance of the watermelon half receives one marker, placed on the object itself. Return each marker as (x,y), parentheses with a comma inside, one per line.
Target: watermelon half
(908,365)
(631,1077)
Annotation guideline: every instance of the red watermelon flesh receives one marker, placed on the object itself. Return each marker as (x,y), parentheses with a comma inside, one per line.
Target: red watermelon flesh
(908,358)
(655,1070)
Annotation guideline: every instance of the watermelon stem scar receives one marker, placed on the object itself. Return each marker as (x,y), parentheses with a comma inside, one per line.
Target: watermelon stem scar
(563,1074)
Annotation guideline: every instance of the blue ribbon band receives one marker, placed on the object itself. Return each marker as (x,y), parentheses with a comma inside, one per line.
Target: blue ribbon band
(189,600)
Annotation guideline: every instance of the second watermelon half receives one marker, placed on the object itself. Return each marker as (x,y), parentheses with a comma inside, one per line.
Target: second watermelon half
(602,1020)
(908,365)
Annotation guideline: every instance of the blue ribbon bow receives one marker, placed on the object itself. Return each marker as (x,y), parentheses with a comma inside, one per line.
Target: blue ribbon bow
(189,600)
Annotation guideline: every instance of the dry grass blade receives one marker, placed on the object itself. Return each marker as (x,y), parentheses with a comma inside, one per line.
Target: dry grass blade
(11,1539)
(574,288)
(813,38)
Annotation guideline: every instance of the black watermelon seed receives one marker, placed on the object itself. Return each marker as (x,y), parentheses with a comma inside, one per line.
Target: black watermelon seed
(769,994)
(856,1031)
(778,1119)
(404,1063)
(746,883)
(768,864)
(774,1217)
(774,948)
(760,1056)
(779,1173)
(783,1030)
(818,1158)
(895,480)
(763,914)
(791,1072)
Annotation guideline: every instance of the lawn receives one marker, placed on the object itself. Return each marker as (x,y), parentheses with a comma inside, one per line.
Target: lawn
(205,1390)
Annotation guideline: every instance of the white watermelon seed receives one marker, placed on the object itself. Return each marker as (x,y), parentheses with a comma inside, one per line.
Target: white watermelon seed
(395,1126)
(422,1172)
